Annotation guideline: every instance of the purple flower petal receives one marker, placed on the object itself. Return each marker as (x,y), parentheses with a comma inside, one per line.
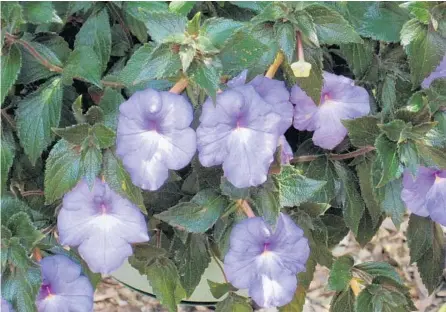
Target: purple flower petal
(63,287)
(416,188)
(436,198)
(287,152)
(340,99)
(439,72)
(102,223)
(238,80)
(265,261)
(241,132)
(154,135)
(6,306)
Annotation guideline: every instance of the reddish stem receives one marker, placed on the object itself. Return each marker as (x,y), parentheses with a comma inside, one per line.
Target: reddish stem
(243,204)
(299,47)
(359,152)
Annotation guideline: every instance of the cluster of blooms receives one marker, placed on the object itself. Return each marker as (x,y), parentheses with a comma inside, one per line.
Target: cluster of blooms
(266,262)
(102,223)
(425,194)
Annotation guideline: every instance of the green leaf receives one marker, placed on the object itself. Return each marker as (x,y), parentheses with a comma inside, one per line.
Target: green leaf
(304,23)
(74,134)
(365,182)
(110,101)
(207,75)
(297,304)
(165,281)
(187,54)
(149,63)
(377,269)
(94,115)
(392,204)
(12,14)
(136,27)
(240,52)
(286,37)
(22,227)
(10,67)
(425,50)
(312,85)
(119,180)
(393,129)
(388,95)
(7,154)
(367,229)
(256,6)
(62,170)
(233,192)
(233,303)
(219,30)
(165,26)
(336,228)
(409,156)
(91,161)
(140,9)
(218,290)
(77,110)
(13,252)
(420,10)
(343,301)
(341,273)
(36,115)
(21,286)
(362,131)
(388,155)
(436,155)
(359,56)
(181,7)
(40,12)
(426,243)
(96,34)
(198,215)
(379,298)
(191,259)
(352,204)
(295,188)
(104,135)
(331,27)
(266,200)
(83,63)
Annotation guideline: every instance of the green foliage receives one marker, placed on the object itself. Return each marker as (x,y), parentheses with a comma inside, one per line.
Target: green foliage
(233,303)
(340,274)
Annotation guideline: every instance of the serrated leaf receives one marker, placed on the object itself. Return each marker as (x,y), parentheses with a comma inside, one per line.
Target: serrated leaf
(12,14)
(251,5)
(77,110)
(36,115)
(139,9)
(120,42)
(266,199)
(22,227)
(362,131)
(149,63)
(312,85)
(367,229)
(104,135)
(377,269)
(425,51)
(242,51)
(96,34)
(392,203)
(343,301)
(388,155)
(409,157)
(181,7)
(136,27)
(191,259)
(91,161)
(10,67)
(198,215)
(426,243)
(187,54)
(336,228)
(359,56)
(110,101)
(331,27)
(94,115)
(62,170)
(393,129)
(219,30)
(7,154)
(286,37)
(304,23)
(341,273)
(365,182)
(207,75)
(295,188)
(164,26)
(233,192)
(14,253)
(353,205)
(233,303)
(218,290)
(40,12)
(119,180)
(297,304)
(435,155)
(83,63)
(388,95)
(74,134)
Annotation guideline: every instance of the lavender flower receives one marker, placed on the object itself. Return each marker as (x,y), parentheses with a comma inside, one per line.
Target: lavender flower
(340,99)
(102,223)
(240,131)
(439,72)
(266,261)
(6,306)
(425,194)
(63,287)
(154,136)
(287,152)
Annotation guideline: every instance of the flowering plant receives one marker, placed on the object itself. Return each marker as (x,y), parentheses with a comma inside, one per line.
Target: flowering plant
(256,135)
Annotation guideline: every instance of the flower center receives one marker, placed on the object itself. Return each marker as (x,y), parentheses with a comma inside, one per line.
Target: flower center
(151,125)
(438,179)
(46,291)
(325,97)
(266,248)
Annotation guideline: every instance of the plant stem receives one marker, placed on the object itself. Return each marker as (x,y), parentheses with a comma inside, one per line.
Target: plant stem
(243,204)
(299,47)
(51,67)
(179,86)
(359,152)
(275,65)
(37,254)
(32,193)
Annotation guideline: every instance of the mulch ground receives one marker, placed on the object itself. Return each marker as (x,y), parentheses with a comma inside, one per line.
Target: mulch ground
(388,245)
